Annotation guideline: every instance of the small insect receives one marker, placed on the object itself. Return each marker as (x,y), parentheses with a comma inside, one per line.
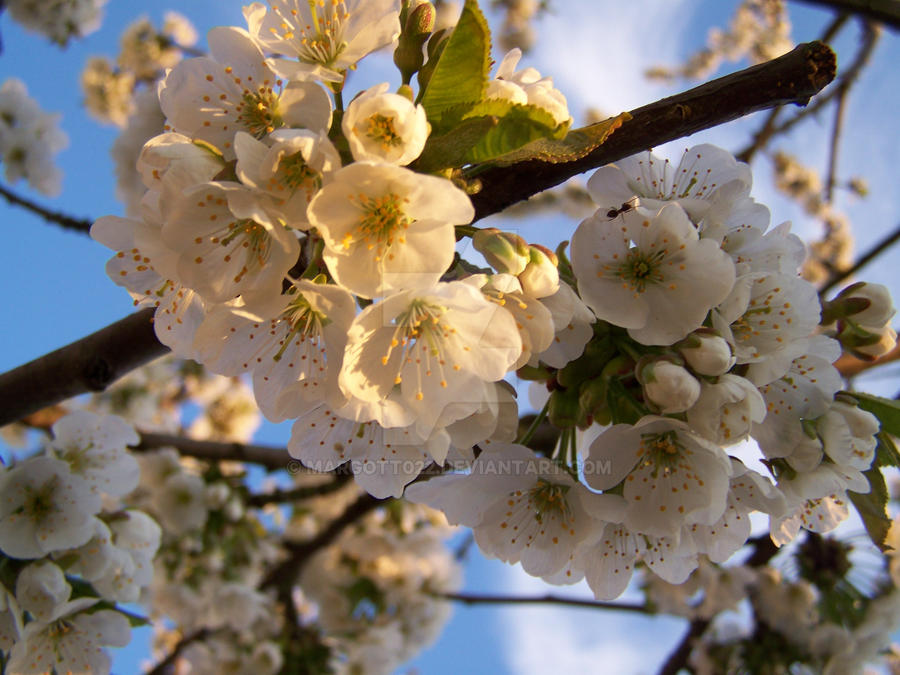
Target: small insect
(625,208)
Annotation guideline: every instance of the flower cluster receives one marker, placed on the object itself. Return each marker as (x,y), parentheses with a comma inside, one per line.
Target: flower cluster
(69,550)
(699,335)
(59,20)
(309,246)
(29,138)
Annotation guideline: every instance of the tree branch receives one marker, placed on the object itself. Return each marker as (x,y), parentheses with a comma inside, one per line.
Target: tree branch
(792,78)
(67,222)
(284,574)
(885,11)
(863,260)
(270,457)
(89,364)
(477,599)
(298,493)
(164,666)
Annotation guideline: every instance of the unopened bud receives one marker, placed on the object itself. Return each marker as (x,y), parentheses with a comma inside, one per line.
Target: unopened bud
(877,311)
(872,347)
(540,277)
(419,23)
(505,252)
(707,354)
(669,386)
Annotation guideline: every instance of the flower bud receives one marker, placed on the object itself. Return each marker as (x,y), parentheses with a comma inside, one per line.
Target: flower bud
(874,347)
(669,386)
(866,304)
(409,56)
(505,252)
(707,354)
(540,277)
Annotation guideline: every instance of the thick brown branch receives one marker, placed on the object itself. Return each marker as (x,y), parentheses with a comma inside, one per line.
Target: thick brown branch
(885,11)
(792,78)
(477,599)
(90,364)
(61,219)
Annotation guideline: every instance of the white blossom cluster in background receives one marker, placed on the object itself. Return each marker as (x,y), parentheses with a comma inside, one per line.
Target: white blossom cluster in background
(58,20)
(70,550)
(29,139)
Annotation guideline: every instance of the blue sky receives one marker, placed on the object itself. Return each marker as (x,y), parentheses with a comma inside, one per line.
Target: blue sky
(57,291)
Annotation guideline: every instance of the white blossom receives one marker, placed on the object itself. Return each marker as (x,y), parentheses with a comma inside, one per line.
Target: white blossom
(385,127)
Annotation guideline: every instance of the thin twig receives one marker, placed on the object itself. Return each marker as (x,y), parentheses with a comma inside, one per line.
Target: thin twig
(766,131)
(162,668)
(876,250)
(270,457)
(298,493)
(57,217)
(885,11)
(285,573)
(834,144)
(867,47)
(479,599)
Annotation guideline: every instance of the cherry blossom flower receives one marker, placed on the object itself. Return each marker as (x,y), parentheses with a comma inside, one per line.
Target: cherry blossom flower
(573,325)
(726,409)
(437,345)
(663,286)
(325,38)
(294,356)
(212,98)
(385,127)
(672,476)
(95,447)
(526,86)
(387,228)
(291,167)
(227,242)
(521,507)
(695,183)
(70,641)
(44,508)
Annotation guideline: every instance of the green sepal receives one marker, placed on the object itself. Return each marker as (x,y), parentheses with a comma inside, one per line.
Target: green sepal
(563,410)
(461,73)
(574,145)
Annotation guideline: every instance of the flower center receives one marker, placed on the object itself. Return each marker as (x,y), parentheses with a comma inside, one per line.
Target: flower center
(39,501)
(641,269)
(249,235)
(258,111)
(661,451)
(295,173)
(303,321)
(321,36)
(381,129)
(382,218)
(546,498)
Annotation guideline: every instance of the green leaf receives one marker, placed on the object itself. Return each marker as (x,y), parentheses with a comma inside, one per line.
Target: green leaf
(575,145)
(462,70)
(872,507)
(451,149)
(518,126)
(885,409)
(886,452)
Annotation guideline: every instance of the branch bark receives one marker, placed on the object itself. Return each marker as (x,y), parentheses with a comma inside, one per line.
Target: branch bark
(884,11)
(792,78)
(99,359)
(89,364)
(58,217)
(477,599)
